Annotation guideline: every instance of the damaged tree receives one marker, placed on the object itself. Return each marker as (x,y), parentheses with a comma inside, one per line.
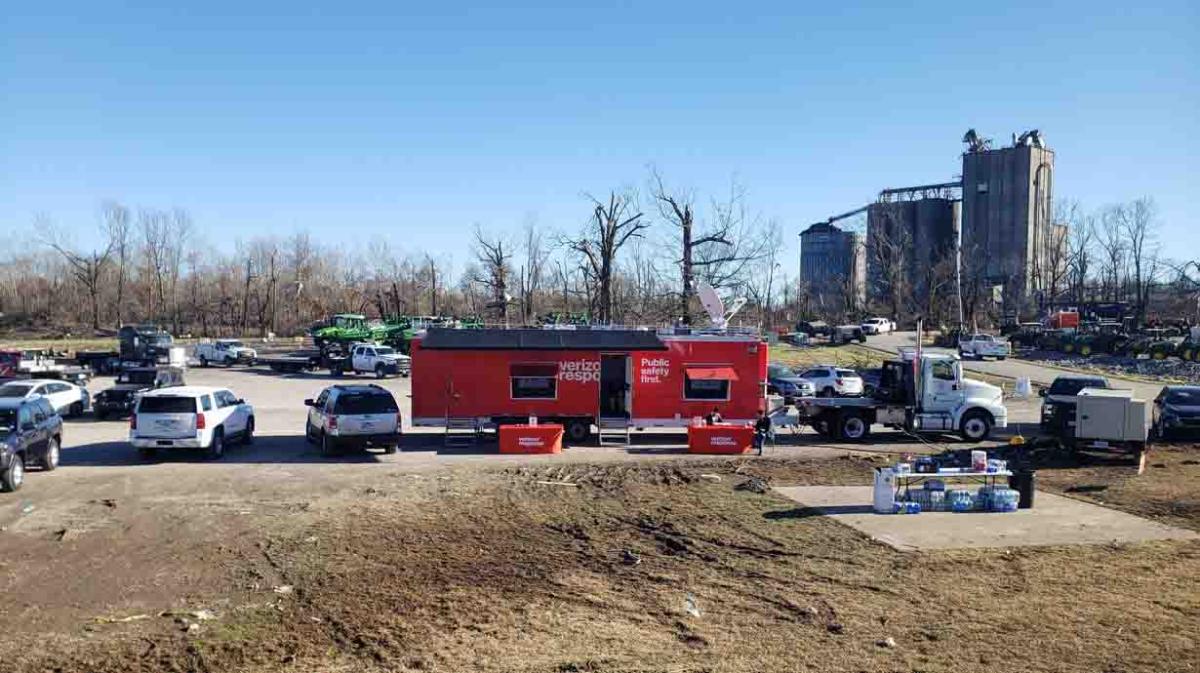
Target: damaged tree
(609,229)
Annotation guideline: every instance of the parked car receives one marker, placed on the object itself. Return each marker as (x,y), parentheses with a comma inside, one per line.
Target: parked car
(833,381)
(120,399)
(191,417)
(380,360)
(814,328)
(878,326)
(980,346)
(844,334)
(224,352)
(1176,410)
(353,416)
(30,433)
(1058,405)
(67,399)
(783,380)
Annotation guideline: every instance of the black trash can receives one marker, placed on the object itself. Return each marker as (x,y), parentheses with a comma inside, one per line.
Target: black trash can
(1023,482)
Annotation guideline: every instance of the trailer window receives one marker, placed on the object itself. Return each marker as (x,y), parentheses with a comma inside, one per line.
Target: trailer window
(533,380)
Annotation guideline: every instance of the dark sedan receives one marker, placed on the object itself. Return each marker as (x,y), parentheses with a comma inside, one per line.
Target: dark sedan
(1177,411)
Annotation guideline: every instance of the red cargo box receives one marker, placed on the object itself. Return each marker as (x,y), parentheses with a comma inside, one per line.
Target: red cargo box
(542,438)
(720,439)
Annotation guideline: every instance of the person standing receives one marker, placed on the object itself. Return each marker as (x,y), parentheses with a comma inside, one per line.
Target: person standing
(762,430)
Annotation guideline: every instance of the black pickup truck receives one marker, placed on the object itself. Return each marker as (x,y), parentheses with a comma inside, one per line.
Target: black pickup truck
(1058,405)
(30,433)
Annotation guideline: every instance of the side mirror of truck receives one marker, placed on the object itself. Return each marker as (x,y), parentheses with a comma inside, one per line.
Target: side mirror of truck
(308,402)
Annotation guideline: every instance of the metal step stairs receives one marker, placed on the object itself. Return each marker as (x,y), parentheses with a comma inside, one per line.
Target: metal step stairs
(613,431)
(461,432)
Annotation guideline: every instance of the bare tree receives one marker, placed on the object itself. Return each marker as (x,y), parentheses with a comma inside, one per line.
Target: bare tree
(87,268)
(118,222)
(535,256)
(1111,237)
(888,246)
(1080,242)
(611,226)
(493,255)
(1138,224)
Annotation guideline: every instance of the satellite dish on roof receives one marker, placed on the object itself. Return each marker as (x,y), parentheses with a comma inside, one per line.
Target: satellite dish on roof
(712,303)
(715,307)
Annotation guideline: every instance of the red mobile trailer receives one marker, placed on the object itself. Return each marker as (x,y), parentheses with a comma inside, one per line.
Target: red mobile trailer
(578,376)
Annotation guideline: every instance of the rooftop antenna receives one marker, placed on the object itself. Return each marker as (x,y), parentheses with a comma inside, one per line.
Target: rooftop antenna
(715,307)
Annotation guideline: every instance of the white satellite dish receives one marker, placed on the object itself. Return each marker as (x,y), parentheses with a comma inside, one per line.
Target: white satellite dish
(715,307)
(712,304)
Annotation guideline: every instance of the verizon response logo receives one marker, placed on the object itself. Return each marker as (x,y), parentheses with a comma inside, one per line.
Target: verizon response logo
(580,371)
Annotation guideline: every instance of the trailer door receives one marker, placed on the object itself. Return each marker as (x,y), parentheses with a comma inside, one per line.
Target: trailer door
(615,391)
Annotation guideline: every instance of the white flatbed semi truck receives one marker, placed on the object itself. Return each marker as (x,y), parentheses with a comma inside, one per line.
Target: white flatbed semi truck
(921,392)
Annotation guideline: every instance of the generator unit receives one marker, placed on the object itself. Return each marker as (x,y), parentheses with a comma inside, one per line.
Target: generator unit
(1107,418)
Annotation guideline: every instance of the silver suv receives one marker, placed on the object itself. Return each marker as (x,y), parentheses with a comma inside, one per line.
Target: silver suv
(358,416)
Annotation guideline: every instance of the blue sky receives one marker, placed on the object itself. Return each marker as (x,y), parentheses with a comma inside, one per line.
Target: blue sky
(413,121)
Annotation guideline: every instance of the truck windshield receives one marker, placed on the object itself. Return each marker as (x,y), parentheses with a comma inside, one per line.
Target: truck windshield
(373,403)
(780,372)
(231,344)
(8,420)
(1073,386)
(384,350)
(167,405)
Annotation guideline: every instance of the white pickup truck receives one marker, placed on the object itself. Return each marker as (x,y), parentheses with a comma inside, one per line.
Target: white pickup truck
(878,326)
(225,352)
(982,346)
(380,360)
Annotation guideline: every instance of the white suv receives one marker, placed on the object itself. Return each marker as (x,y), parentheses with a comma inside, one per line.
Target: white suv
(353,415)
(833,381)
(190,417)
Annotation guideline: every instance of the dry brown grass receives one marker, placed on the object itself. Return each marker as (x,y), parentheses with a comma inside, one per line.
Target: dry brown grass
(496,572)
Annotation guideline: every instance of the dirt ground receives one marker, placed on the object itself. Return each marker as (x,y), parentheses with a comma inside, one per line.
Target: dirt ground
(275,559)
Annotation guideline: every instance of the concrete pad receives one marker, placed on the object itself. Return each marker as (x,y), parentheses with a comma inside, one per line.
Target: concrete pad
(1054,520)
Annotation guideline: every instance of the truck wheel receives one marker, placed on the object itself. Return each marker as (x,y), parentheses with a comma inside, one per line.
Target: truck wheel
(854,427)
(1085,350)
(248,436)
(51,457)
(379,372)
(578,431)
(309,437)
(390,448)
(75,410)
(203,361)
(216,447)
(14,475)
(827,392)
(975,426)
